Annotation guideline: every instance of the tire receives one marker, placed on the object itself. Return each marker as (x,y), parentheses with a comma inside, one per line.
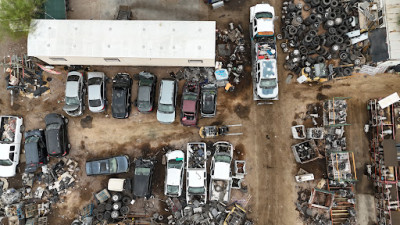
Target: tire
(100,216)
(126,200)
(101,208)
(124,210)
(108,207)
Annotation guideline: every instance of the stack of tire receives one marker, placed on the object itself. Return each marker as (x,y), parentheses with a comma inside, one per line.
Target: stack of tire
(308,45)
(115,208)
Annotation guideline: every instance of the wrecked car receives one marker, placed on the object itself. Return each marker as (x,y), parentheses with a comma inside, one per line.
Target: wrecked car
(167,101)
(146,92)
(74,94)
(35,150)
(208,100)
(190,98)
(113,165)
(121,96)
(96,91)
(142,179)
(57,142)
(10,144)
(174,174)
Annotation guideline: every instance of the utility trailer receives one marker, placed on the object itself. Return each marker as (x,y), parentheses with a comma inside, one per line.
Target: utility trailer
(221,176)
(263,53)
(215,131)
(196,173)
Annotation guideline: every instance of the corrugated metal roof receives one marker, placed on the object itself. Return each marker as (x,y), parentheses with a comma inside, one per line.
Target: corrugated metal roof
(123,38)
(392,12)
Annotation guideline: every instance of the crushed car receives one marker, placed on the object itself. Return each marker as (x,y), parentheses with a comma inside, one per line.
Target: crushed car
(35,150)
(142,179)
(74,94)
(10,144)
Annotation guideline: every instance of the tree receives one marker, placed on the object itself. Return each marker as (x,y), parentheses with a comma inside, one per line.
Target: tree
(16,15)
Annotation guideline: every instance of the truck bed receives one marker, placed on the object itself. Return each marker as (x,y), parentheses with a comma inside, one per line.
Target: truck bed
(220,190)
(8,128)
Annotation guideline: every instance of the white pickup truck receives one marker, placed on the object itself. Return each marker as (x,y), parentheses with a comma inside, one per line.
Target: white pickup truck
(196,173)
(221,176)
(263,48)
(11,129)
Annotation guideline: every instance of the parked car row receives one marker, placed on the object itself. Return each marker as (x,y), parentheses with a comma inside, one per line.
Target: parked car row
(193,97)
(196,173)
(39,144)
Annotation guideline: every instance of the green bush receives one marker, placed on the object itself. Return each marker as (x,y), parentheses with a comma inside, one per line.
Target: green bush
(16,16)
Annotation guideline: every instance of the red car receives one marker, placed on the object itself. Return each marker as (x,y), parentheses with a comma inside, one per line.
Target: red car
(190,97)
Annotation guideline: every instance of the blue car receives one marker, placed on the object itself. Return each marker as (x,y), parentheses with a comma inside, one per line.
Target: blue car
(113,165)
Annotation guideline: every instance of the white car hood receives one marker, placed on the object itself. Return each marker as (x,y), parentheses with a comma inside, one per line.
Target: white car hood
(165,117)
(8,171)
(222,171)
(174,177)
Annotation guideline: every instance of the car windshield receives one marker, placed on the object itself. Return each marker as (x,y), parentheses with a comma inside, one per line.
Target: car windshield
(196,190)
(32,139)
(72,100)
(166,108)
(223,158)
(94,81)
(53,126)
(142,171)
(113,165)
(190,97)
(268,83)
(175,164)
(264,15)
(5,162)
(95,103)
(172,189)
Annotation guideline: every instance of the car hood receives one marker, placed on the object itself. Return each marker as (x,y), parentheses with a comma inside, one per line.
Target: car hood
(174,177)
(8,171)
(166,117)
(141,185)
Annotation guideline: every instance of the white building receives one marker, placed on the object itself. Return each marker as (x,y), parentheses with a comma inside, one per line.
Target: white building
(123,42)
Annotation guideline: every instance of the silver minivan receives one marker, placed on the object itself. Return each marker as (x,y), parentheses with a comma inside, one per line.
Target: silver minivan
(167,101)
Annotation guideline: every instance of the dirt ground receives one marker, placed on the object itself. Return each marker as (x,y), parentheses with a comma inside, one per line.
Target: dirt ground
(270,164)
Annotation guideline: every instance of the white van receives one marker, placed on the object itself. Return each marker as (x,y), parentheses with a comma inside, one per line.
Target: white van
(167,101)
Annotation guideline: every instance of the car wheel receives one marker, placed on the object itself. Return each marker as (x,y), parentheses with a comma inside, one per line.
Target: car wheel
(66,120)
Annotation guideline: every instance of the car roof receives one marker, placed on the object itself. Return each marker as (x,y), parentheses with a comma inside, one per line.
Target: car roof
(268,68)
(53,141)
(189,106)
(31,152)
(167,91)
(71,89)
(94,92)
(174,176)
(144,93)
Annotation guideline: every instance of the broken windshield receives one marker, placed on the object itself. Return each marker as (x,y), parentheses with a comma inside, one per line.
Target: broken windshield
(264,15)
(72,100)
(268,83)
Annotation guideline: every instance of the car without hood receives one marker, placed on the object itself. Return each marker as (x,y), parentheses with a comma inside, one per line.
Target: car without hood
(146,92)
(142,179)
(57,142)
(190,98)
(174,174)
(35,150)
(121,96)
(96,91)
(10,144)
(74,94)
(113,165)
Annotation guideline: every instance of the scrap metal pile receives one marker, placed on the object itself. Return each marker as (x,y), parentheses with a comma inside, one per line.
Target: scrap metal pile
(32,203)
(25,76)
(331,201)
(322,39)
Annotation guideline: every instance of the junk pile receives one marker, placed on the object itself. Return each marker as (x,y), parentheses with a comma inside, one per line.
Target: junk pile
(230,55)
(25,76)
(383,171)
(212,213)
(321,56)
(332,201)
(31,203)
(111,207)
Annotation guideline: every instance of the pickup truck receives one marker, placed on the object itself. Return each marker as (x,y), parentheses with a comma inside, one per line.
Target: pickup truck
(196,173)
(221,177)
(11,129)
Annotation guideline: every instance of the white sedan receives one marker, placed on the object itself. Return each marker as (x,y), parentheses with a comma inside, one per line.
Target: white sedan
(174,174)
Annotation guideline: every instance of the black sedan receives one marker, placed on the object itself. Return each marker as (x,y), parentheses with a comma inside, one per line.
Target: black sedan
(142,180)
(146,92)
(57,142)
(35,150)
(113,165)
(208,100)
(121,96)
